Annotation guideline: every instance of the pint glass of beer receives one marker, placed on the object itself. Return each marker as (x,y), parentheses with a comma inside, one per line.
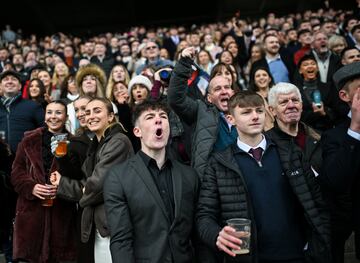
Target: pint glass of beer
(61,149)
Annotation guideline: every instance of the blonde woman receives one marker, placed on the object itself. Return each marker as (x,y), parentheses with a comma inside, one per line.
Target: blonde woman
(61,71)
(90,80)
(118,74)
(337,44)
(110,146)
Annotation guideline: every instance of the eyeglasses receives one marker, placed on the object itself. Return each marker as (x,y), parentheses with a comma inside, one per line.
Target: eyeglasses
(151,47)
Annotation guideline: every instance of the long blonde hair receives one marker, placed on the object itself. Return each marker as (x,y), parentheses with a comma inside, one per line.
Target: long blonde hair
(111,81)
(56,81)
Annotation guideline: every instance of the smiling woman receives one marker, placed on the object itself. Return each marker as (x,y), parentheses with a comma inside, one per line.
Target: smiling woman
(99,116)
(110,146)
(55,116)
(32,167)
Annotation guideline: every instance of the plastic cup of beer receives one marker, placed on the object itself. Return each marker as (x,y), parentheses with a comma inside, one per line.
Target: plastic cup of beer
(48,201)
(243,232)
(61,149)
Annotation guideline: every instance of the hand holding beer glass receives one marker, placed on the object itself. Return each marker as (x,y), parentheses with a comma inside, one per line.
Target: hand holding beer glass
(45,192)
(234,239)
(59,144)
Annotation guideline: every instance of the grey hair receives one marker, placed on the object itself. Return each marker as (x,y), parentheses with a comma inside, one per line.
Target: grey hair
(281,88)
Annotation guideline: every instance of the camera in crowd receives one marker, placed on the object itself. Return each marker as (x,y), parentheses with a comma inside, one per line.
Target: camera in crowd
(165,75)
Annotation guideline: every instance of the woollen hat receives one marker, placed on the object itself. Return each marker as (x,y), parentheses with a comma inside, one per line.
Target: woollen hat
(140,79)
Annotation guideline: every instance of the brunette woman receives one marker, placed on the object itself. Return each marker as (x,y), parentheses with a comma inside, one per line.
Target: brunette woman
(36,92)
(42,233)
(69,91)
(261,82)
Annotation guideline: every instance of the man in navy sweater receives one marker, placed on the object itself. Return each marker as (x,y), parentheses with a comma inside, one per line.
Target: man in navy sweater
(252,179)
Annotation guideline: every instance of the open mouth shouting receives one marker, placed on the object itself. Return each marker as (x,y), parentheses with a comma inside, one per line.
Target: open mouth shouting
(224,102)
(159,133)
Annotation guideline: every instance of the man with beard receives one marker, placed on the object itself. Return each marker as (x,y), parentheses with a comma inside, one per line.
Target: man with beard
(150,199)
(209,127)
(281,66)
(328,63)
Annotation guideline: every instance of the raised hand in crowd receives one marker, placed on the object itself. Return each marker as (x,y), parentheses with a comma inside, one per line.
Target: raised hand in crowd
(355,112)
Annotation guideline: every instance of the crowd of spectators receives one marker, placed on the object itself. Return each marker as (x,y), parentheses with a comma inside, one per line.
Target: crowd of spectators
(128,68)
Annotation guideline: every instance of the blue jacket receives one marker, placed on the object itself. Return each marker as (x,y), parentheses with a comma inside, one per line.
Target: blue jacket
(24,115)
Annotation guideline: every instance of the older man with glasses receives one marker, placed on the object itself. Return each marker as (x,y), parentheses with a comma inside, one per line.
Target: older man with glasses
(152,53)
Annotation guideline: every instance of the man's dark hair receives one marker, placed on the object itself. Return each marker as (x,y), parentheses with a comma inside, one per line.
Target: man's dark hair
(289,30)
(148,105)
(343,52)
(307,56)
(347,20)
(243,99)
(356,27)
(303,31)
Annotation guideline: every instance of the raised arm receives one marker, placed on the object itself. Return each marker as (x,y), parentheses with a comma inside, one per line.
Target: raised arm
(185,107)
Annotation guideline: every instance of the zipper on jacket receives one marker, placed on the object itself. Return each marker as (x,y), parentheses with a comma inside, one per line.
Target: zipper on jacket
(8,126)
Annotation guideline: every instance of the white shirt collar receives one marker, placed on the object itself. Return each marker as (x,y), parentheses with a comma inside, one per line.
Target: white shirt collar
(268,60)
(245,147)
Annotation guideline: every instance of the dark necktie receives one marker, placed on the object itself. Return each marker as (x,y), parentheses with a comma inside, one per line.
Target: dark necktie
(256,153)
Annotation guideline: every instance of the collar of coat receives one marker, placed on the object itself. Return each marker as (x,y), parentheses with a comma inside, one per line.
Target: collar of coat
(307,129)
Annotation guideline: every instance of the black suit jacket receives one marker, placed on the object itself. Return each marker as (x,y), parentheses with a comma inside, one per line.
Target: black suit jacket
(340,178)
(139,226)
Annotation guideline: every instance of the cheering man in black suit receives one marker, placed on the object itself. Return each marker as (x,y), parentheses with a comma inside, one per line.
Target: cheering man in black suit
(150,199)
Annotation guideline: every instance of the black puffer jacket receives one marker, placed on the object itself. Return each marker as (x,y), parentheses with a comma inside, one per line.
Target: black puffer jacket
(312,152)
(297,166)
(224,195)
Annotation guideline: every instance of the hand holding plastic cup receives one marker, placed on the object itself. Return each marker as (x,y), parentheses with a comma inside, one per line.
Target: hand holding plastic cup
(49,198)
(243,232)
(59,144)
